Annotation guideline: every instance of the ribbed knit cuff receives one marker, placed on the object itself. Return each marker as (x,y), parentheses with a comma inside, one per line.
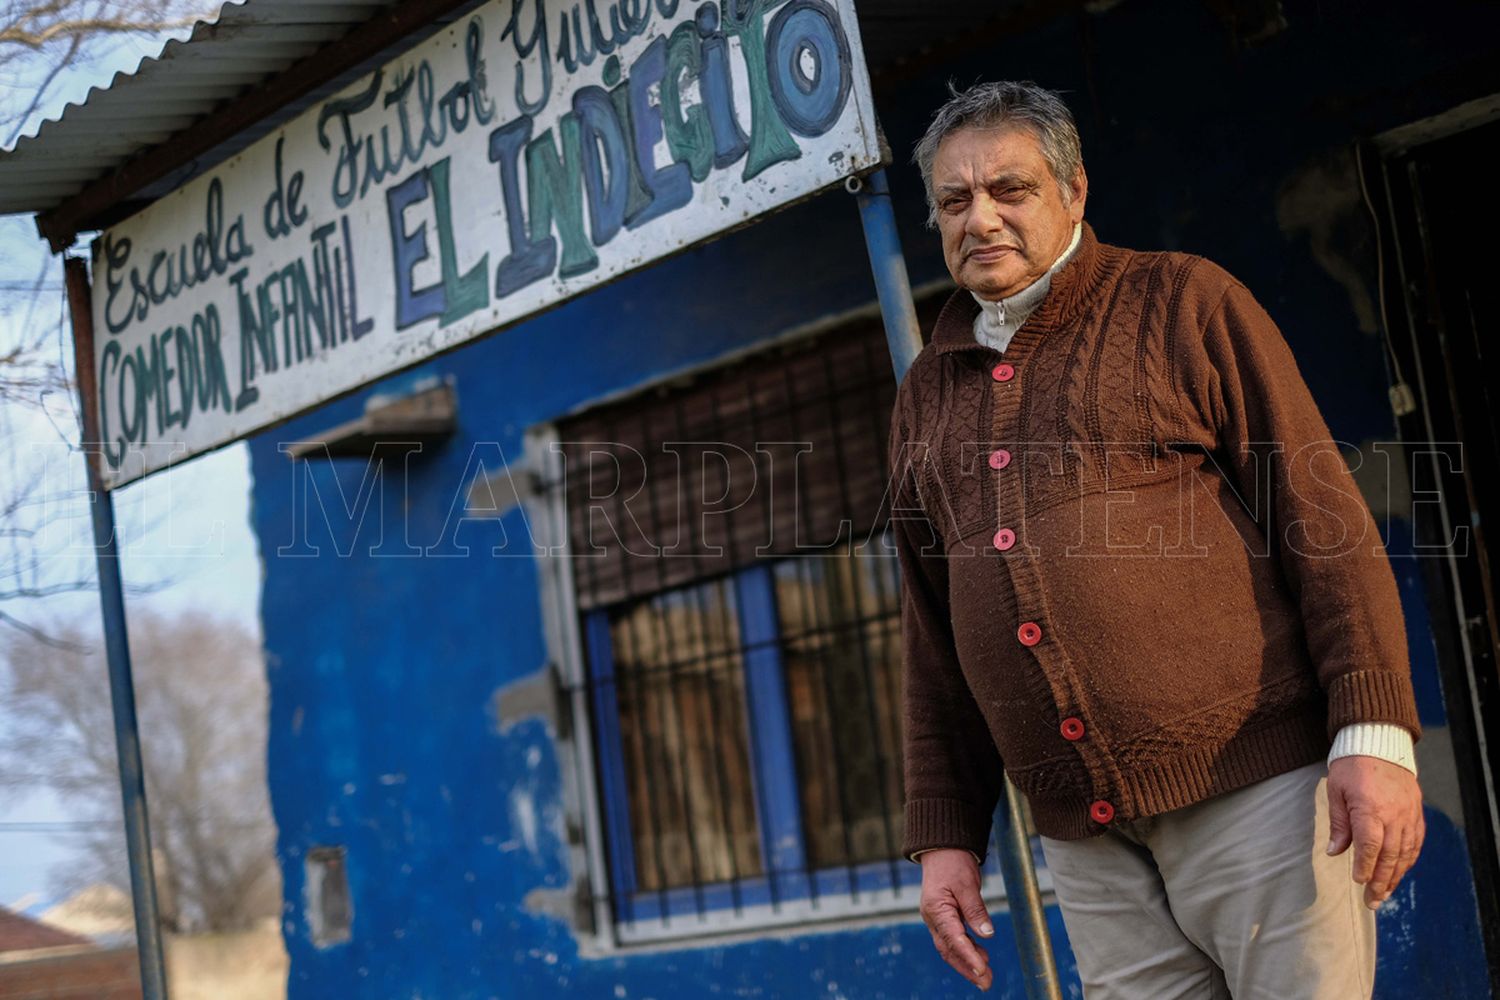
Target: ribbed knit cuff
(933,823)
(917,855)
(1375,739)
(1372,696)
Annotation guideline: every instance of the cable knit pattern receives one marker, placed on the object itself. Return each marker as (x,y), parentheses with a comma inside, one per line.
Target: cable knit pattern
(1143,482)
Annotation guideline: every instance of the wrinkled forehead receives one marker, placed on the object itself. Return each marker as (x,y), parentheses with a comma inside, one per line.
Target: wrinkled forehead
(978,154)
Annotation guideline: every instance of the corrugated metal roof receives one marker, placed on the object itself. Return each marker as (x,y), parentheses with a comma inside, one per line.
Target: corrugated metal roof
(254,40)
(251,41)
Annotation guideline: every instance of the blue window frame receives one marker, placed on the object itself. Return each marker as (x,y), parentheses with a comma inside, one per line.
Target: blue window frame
(697,798)
(748,735)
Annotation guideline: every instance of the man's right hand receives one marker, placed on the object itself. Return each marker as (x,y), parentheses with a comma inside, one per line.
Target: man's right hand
(950,897)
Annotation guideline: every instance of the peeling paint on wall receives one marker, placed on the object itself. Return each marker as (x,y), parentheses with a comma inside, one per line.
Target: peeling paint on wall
(532,697)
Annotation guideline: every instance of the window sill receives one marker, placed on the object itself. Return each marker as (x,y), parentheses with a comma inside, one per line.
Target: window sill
(826,913)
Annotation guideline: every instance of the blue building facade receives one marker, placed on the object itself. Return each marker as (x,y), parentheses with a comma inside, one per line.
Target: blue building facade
(429,748)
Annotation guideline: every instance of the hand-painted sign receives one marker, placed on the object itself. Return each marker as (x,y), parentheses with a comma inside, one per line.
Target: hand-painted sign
(531,151)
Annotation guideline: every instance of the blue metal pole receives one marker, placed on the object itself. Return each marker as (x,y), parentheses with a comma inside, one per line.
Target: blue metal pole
(1038,967)
(117,649)
(873,195)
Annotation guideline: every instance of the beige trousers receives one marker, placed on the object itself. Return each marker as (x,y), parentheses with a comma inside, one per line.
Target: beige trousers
(1232,897)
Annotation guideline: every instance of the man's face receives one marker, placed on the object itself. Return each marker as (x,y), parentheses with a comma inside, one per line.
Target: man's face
(999,209)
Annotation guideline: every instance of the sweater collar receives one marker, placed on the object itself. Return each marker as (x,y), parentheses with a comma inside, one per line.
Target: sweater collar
(1068,291)
(1020,305)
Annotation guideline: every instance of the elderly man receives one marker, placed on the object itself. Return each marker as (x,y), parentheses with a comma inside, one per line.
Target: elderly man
(1138,578)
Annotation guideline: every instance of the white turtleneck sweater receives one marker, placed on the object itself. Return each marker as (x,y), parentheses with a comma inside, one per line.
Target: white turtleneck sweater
(998,322)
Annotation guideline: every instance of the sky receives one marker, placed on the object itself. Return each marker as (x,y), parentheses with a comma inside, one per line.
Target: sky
(185,532)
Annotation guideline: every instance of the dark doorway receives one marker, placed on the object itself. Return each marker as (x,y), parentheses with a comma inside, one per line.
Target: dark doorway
(1443,208)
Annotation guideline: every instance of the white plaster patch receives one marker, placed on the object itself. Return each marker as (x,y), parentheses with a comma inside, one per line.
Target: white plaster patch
(523,817)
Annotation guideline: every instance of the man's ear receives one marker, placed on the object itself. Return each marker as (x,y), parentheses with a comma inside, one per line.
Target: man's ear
(1079,189)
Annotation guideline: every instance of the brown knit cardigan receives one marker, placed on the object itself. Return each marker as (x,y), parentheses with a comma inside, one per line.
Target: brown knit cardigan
(1135,566)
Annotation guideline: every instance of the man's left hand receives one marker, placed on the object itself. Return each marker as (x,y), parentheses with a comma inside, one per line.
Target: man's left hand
(1376,806)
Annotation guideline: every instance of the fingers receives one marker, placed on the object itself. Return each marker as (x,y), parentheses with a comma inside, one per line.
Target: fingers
(1384,877)
(1407,859)
(967,958)
(1409,834)
(1400,845)
(1339,830)
(971,904)
(1369,835)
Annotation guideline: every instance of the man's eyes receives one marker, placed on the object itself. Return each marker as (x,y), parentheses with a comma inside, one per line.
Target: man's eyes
(1009,193)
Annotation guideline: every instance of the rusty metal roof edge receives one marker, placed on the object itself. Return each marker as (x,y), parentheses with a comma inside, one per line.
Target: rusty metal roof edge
(232,18)
(263,21)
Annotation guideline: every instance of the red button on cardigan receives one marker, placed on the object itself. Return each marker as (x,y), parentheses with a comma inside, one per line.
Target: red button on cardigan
(1004,539)
(1030,633)
(999,458)
(1072,729)
(1102,811)
(1003,372)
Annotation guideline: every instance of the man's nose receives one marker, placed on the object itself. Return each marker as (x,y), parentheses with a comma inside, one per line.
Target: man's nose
(983,218)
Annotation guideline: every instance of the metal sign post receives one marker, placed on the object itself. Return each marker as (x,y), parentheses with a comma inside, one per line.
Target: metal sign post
(121,684)
(893,287)
(1027,916)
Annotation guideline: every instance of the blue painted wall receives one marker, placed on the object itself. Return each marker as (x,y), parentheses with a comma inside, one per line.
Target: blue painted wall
(383,667)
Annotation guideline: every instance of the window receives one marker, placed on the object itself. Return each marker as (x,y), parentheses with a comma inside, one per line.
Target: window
(737,605)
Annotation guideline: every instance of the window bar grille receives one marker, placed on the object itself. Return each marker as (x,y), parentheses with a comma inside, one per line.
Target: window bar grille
(680,792)
(769,729)
(639,680)
(861,638)
(730,833)
(611,766)
(781,813)
(885,579)
(714,620)
(664,685)
(816,583)
(638,705)
(814,886)
(727,663)
(822,671)
(784,849)
(625,877)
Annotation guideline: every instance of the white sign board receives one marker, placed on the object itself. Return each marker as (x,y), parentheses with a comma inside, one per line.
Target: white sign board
(531,151)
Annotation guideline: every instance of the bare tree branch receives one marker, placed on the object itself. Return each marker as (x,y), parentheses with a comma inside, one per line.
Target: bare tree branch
(201,701)
(41,39)
(40,94)
(84,27)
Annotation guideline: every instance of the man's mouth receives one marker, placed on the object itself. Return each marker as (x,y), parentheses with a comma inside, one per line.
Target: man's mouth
(985,254)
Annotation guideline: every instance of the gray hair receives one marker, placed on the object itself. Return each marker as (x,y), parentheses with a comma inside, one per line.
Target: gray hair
(993,105)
